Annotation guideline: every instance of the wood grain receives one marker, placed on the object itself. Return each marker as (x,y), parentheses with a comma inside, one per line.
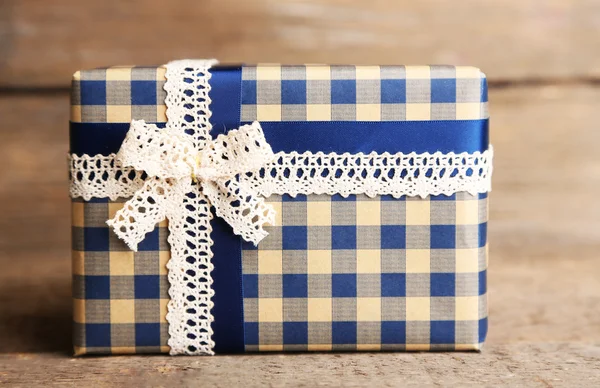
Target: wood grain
(544,278)
(42,43)
(33,189)
(523,365)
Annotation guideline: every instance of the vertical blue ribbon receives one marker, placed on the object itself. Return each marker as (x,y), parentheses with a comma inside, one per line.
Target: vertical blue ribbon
(228,310)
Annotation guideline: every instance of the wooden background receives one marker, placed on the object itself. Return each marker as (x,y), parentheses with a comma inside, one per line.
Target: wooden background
(542,58)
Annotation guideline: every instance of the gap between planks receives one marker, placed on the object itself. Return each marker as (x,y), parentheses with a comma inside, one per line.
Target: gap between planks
(494,84)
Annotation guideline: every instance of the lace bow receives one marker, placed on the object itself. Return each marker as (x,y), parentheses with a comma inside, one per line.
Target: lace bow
(173,165)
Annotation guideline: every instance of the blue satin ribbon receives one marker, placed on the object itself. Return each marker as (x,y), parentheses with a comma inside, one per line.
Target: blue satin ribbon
(368,136)
(228,309)
(327,136)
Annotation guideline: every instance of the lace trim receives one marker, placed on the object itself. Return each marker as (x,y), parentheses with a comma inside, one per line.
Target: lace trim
(372,174)
(187,101)
(100,176)
(189,308)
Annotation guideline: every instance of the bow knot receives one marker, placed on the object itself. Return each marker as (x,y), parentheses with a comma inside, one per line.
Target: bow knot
(174,166)
(201,171)
(204,174)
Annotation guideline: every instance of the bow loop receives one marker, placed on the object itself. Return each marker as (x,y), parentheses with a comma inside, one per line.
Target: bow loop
(245,212)
(160,152)
(173,164)
(240,150)
(149,206)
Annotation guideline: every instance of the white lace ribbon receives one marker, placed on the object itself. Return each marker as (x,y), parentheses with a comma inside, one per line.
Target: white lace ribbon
(179,172)
(173,164)
(316,173)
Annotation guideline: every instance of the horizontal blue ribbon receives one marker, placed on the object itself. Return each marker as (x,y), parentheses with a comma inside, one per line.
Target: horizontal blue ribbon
(386,136)
(326,136)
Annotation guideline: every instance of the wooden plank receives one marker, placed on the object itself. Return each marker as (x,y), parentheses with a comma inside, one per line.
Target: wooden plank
(543,204)
(42,43)
(543,279)
(34,189)
(517,365)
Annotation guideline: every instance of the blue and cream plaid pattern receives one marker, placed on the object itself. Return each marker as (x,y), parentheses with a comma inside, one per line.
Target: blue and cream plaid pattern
(119,95)
(369,274)
(296,93)
(336,274)
(120,296)
(362,93)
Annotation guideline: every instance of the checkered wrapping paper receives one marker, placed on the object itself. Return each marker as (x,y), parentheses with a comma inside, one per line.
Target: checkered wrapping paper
(362,93)
(296,93)
(119,95)
(119,296)
(369,274)
(337,274)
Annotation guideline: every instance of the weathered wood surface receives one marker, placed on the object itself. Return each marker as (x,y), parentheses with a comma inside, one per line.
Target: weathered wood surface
(544,277)
(522,365)
(43,42)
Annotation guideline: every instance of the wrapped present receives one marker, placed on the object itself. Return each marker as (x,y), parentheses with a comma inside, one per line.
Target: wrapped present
(224,209)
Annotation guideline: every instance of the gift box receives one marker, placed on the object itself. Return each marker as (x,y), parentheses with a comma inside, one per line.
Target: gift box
(225,209)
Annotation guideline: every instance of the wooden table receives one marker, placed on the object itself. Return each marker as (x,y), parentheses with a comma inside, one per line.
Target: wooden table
(543,62)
